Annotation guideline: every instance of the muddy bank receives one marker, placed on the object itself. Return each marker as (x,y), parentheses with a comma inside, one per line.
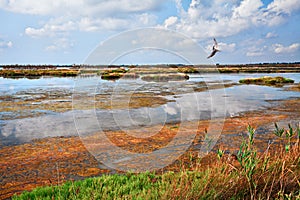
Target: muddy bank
(38,102)
(52,161)
(19,107)
(295,87)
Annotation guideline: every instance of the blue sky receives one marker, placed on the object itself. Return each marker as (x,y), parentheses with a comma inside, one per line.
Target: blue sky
(66,32)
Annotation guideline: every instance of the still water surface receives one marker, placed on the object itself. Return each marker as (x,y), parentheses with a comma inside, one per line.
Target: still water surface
(186,104)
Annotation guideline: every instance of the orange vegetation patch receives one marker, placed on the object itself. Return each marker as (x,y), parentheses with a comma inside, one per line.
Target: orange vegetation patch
(48,161)
(166,133)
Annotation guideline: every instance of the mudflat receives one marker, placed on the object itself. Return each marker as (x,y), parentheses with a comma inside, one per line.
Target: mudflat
(52,161)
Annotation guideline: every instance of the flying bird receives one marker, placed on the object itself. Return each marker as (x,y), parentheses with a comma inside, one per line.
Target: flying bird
(214,49)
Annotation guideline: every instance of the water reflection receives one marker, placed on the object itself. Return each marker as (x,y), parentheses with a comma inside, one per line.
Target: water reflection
(184,107)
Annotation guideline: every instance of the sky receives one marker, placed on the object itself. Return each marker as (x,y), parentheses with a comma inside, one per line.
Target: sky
(68,31)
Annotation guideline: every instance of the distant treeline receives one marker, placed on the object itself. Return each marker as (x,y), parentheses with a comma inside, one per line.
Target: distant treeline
(261,65)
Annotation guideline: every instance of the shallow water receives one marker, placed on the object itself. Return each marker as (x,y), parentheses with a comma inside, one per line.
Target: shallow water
(186,104)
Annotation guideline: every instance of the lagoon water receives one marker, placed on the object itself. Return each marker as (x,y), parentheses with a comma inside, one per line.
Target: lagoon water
(186,103)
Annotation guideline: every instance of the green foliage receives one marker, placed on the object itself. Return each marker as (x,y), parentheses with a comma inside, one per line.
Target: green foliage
(130,186)
(188,70)
(278,131)
(289,133)
(112,74)
(247,156)
(266,80)
(220,153)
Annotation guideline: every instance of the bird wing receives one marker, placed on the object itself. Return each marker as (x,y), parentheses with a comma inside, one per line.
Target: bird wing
(214,49)
(215,43)
(212,53)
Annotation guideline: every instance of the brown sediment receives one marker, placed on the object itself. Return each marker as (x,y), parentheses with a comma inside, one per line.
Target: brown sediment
(35,107)
(153,70)
(165,77)
(52,161)
(131,100)
(295,87)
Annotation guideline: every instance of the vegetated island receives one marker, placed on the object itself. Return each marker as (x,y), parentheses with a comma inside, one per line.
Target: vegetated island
(267,80)
(37,72)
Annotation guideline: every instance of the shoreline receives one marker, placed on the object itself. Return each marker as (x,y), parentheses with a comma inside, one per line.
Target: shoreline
(33,164)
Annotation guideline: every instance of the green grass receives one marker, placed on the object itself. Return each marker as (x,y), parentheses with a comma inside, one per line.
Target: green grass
(182,185)
(188,70)
(266,80)
(112,74)
(254,175)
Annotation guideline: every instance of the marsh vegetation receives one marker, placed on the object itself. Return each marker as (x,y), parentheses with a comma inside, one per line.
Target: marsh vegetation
(28,73)
(267,80)
(40,146)
(247,175)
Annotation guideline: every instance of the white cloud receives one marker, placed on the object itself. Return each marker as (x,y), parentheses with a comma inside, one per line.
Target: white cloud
(52,27)
(270,35)
(254,47)
(279,48)
(257,49)
(254,53)
(222,18)
(109,23)
(60,44)
(202,19)
(146,19)
(170,21)
(79,7)
(212,20)
(247,8)
(227,47)
(284,6)
(277,12)
(85,15)
(4,44)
